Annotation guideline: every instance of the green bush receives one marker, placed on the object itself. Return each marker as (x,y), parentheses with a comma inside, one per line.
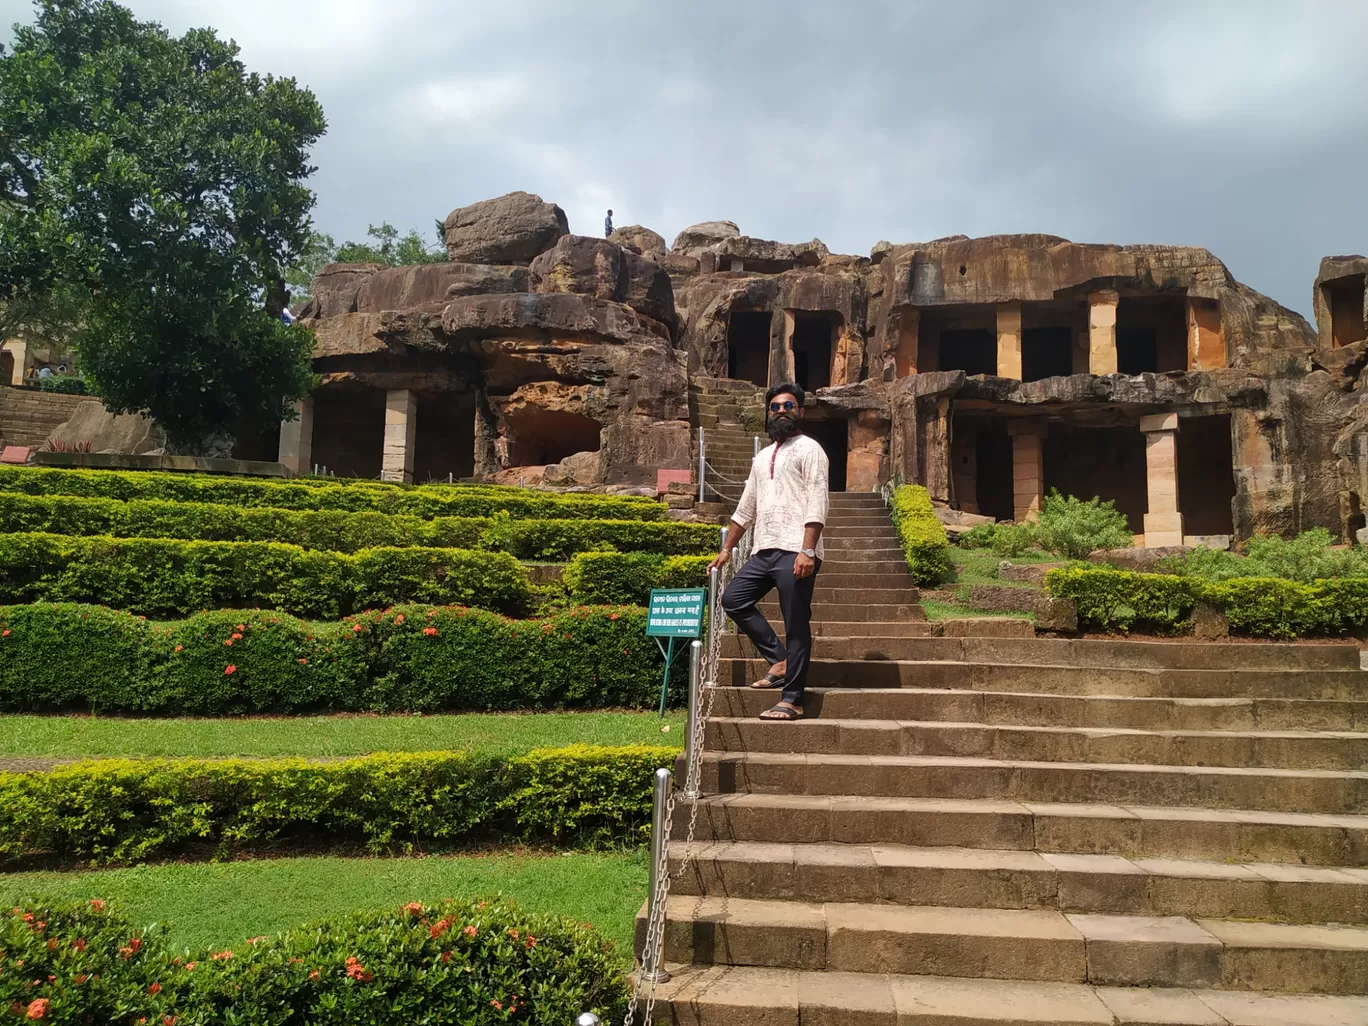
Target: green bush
(1123,599)
(598,578)
(980,536)
(921,533)
(1006,540)
(1309,557)
(67,384)
(158,576)
(1075,529)
(130,810)
(341,531)
(449,964)
(56,657)
(424,501)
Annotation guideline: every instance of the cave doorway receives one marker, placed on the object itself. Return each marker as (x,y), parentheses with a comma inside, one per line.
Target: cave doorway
(1103,462)
(1344,299)
(538,437)
(1206,477)
(748,346)
(349,430)
(814,338)
(834,438)
(444,444)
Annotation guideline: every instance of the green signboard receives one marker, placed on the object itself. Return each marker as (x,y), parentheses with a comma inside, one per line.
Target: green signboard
(675,614)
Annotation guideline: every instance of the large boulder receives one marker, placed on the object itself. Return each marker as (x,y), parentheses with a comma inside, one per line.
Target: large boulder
(336,287)
(696,238)
(127,433)
(639,240)
(429,285)
(594,267)
(511,229)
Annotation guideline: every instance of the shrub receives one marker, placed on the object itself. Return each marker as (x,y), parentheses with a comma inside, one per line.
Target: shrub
(980,536)
(1013,540)
(341,531)
(1309,557)
(921,533)
(424,501)
(452,963)
(157,576)
(56,657)
(130,810)
(595,578)
(67,384)
(1123,599)
(1075,529)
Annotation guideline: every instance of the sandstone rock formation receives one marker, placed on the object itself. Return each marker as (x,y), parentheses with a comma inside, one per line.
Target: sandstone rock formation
(107,432)
(696,238)
(639,240)
(509,230)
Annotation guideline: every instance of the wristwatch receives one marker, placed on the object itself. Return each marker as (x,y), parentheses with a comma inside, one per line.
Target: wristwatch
(810,553)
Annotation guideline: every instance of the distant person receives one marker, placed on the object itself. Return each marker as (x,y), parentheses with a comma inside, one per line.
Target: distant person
(608,225)
(45,372)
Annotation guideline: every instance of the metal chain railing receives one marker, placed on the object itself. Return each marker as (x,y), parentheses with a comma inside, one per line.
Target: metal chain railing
(704,657)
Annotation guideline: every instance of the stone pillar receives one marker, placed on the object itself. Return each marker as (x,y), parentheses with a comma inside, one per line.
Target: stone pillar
(1206,344)
(1009,340)
(18,349)
(1028,469)
(296,439)
(1163,522)
(1102,332)
(909,339)
(401,429)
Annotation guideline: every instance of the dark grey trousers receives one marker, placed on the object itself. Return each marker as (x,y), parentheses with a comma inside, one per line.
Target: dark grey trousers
(766,570)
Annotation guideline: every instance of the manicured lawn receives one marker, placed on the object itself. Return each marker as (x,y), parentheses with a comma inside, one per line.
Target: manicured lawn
(68,736)
(979,566)
(223,904)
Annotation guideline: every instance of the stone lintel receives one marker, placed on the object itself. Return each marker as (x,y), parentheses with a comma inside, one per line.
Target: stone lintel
(1159,422)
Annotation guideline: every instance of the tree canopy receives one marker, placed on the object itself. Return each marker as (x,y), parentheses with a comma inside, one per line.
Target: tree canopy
(386,247)
(163,183)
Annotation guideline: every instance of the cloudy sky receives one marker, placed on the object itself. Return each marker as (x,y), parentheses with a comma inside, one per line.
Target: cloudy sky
(1241,126)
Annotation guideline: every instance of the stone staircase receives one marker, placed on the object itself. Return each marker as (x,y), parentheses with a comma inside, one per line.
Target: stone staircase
(716,406)
(984,831)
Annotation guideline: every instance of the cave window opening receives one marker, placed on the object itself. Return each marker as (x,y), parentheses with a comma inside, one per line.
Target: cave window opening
(539,437)
(1046,353)
(748,346)
(1344,298)
(973,351)
(813,338)
(1151,334)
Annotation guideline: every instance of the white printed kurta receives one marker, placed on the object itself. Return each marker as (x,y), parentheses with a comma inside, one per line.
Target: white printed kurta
(787,489)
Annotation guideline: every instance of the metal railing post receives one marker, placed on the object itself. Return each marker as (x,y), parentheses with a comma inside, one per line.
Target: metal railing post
(653,958)
(702,465)
(755,446)
(693,771)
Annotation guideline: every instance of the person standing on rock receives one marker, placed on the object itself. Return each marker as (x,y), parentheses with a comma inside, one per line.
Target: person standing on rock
(608,225)
(786,502)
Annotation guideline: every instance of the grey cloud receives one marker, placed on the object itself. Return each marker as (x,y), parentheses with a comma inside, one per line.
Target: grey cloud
(1238,127)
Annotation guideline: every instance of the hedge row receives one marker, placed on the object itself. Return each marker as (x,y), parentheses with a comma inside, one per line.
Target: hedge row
(56,657)
(921,533)
(451,964)
(1264,606)
(162,576)
(329,493)
(341,531)
(597,578)
(130,810)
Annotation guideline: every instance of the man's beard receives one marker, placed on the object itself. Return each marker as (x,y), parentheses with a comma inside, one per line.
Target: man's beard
(782,426)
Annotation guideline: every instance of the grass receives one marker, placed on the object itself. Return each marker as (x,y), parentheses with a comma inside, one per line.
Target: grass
(936,610)
(979,566)
(321,736)
(222,904)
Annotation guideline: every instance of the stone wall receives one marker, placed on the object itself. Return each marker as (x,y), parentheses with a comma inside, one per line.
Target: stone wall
(28,416)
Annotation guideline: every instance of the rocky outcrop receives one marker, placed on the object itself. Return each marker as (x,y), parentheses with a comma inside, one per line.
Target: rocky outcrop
(336,287)
(545,315)
(595,267)
(761,255)
(106,432)
(429,286)
(639,240)
(696,238)
(511,229)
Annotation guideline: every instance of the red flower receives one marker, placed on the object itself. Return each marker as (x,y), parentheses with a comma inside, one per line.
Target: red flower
(37,1008)
(97,905)
(414,908)
(469,931)
(496,1003)
(303,662)
(136,944)
(155,988)
(399,618)
(79,944)
(170,1020)
(179,648)
(221,956)
(229,670)
(429,631)
(531,942)
(357,628)
(446,956)
(439,927)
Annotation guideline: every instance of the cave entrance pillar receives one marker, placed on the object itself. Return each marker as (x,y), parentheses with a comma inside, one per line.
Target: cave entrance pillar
(1102,331)
(1028,468)
(1009,340)
(1163,522)
(908,342)
(296,439)
(401,434)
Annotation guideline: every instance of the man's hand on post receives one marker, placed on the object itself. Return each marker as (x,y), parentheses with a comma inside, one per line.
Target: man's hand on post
(803,566)
(721,560)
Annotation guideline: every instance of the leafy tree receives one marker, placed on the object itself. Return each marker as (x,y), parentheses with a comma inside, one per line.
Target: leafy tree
(319,251)
(387,248)
(156,176)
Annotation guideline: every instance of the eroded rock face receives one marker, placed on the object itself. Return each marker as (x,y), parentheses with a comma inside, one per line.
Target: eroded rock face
(595,267)
(639,240)
(511,229)
(696,238)
(336,287)
(429,286)
(107,432)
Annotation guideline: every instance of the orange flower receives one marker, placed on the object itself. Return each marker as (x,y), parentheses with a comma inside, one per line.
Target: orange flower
(446,956)
(613,616)
(414,908)
(79,944)
(135,944)
(170,1020)
(37,1008)
(242,626)
(190,966)
(229,670)
(399,618)
(80,978)
(155,988)
(469,931)
(429,631)
(237,637)
(97,905)
(221,956)
(357,628)
(496,1003)
(303,662)
(179,648)
(229,642)
(531,942)
(313,974)
(5,633)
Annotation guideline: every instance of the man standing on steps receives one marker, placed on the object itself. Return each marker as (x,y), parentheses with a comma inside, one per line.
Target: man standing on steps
(786,501)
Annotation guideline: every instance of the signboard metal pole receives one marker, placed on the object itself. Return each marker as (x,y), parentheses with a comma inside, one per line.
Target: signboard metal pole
(665,684)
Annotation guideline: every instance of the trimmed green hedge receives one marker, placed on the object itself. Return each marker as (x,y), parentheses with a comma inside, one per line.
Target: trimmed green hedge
(329,493)
(597,578)
(458,963)
(160,576)
(131,810)
(921,533)
(342,531)
(56,657)
(1262,606)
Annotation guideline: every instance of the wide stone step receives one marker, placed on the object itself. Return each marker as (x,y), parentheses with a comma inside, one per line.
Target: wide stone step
(1131,830)
(1142,655)
(894,613)
(830,735)
(1015,944)
(827,594)
(1024,708)
(1322,685)
(886,549)
(1335,792)
(849,580)
(742,995)
(994,878)
(846,563)
(840,520)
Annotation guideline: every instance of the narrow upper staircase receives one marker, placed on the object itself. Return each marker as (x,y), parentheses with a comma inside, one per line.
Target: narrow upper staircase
(983,831)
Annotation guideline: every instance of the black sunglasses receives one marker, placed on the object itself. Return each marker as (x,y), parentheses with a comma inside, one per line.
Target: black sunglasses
(786,407)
